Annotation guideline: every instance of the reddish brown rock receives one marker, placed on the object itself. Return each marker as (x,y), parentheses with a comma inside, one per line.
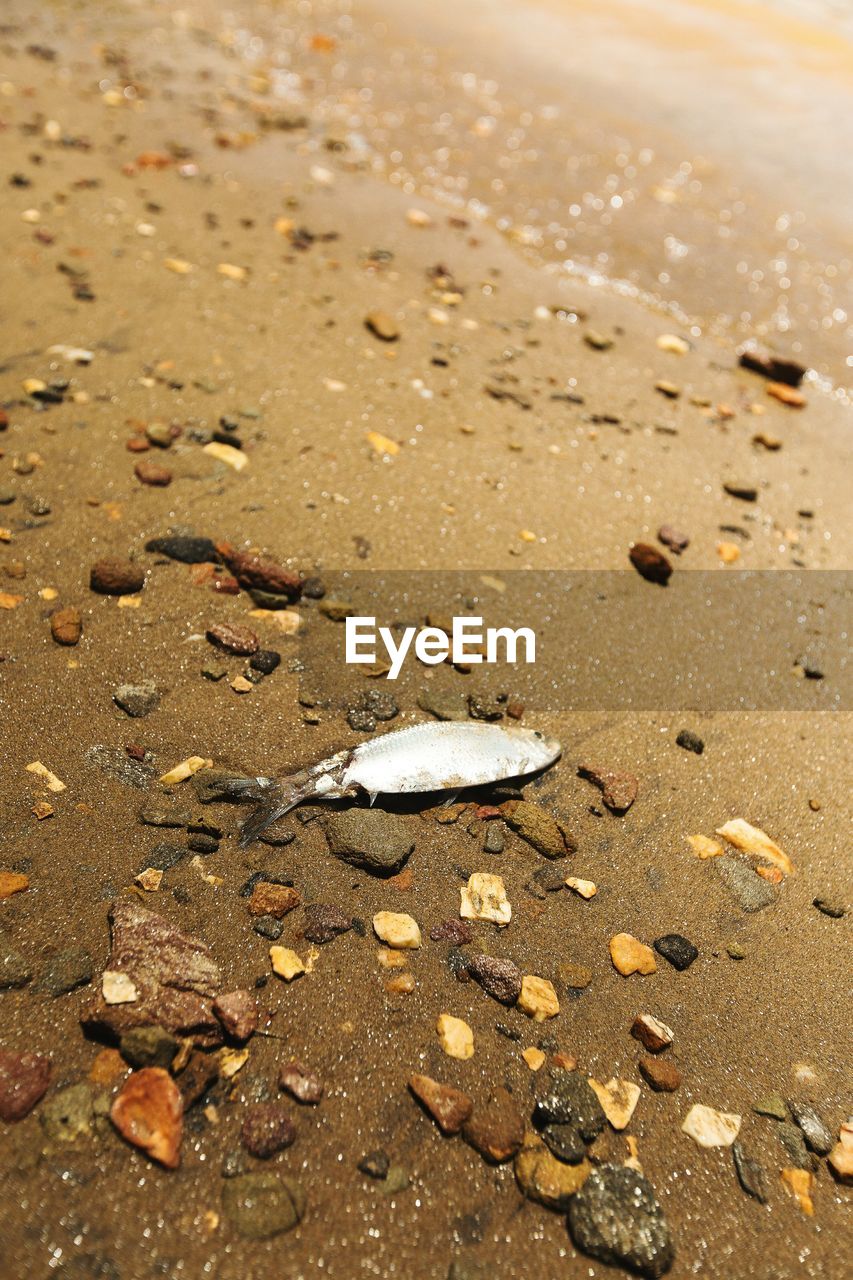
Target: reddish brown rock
(66,625)
(650,563)
(323,922)
(233,639)
(273,899)
(152,473)
(24,1078)
(174,974)
(149,1113)
(618,790)
(457,932)
(651,1032)
(301,1083)
(497,1129)
(267,1129)
(196,1077)
(115,577)
(661,1073)
(260,573)
(238,1013)
(449,1107)
(501,979)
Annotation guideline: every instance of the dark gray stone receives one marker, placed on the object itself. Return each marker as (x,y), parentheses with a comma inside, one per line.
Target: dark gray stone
(815,1131)
(571,1101)
(15,970)
(690,741)
(616,1218)
(137,700)
(148,1047)
(369,838)
(66,970)
(751,891)
(564,1142)
(793,1141)
(751,1175)
(678,950)
(260,1205)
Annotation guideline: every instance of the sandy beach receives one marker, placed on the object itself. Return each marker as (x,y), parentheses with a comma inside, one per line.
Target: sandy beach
(320,309)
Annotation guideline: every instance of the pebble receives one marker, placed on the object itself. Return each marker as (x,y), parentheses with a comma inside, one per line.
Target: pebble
(375,1164)
(484,898)
(24,1078)
(114,577)
(457,932)
(585,888)
(382,326)
(661,1074)
(164,812)
(449,1107)
(15,970)
(786,395)
(495,841)
(187,550)
(618,790)
(301,1083)
(267,1129)
(750,1174)
(501,979)
(397,930)
(545,833)
(629,955)
(261,1205)
(148,1112)
(564,1142)
(678,950)
(443,705)
(165,855)
(650,563)
(137,700)
(455,1037)
(238,1013)
(271,899)
(69,1114)
(597,341)
(66,625)
(534,1058)
(542,1177)
(265,661)
(673,539)
(751,891)
(772,1106)
(710,1128)
(12,882)
(368,838)
(150,1046)
(576,977)
(233,639)
(269,583)
(537,998)
(67,970)
(616,1218)
(268,927)
(776,368)
(815,1131)
(571,1101)
(743,489)
(756,843)
(153,474)
(832,907)
(690,741)
(285,962)
(323,922)
(841,1155)
(496,1130)
(793,1140)
(618,1100)
(800,1183)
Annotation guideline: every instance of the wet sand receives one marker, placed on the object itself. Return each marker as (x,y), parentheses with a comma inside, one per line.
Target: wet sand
(159,153)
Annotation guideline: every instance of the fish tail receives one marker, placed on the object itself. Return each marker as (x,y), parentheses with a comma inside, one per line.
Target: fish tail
(278,798)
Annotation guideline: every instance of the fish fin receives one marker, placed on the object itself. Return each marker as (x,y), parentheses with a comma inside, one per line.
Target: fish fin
(246,788)
(275,801)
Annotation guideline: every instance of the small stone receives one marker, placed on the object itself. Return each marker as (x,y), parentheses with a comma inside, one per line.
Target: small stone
(197,1077)
(186,550)
(261,1205)
(153,474)
(397,930)
(265,661)
(268,927)
(150,879)
(743,489)
(323,922)
(449,1107)
(751,891)
(301,1083)
(773,1106)
(267,1129)
(653,1034)
(375,1164)
(673,539)
(650,563)
(501,979)
(402,985)
(137,700)
(456,932)
(661,1074)
(576,977)
(618,790)
(494,842)
(534,1058)
(537,998)
(678,950)
(542,1177)
(815,1131)
(669,389)
(443,705)
(585,888)
(545,833)
(616,1218)
(270,899)
(750,1174)
(690,741)
(734,951)
(15,970)
(629,955)
(118,988)
(484,898)
(597,341)
(233,639)
(710,1128)
(66,971)
(832,907)
(148,1112)
(841,1155)
(369,838)
(564,1142)
(382,326)
(148,1047)
(286,963)
(115,577)
(800,1183)
(455,1037)
(571,1101)
(238,1013)
(497,1129)
(69,1114)
(66,625)
(618,1100)
(777,368)
(24,1078)
(12,882)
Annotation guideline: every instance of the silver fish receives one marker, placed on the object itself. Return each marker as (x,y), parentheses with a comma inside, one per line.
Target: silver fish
(425,757)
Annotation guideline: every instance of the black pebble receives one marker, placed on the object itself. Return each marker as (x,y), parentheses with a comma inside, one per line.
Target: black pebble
(265,661)
(690,741)
(679,951)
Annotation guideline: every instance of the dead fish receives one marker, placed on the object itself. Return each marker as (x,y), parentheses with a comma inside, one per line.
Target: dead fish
(425,757)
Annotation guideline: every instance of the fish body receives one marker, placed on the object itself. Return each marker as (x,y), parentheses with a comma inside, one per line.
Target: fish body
(440,756)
